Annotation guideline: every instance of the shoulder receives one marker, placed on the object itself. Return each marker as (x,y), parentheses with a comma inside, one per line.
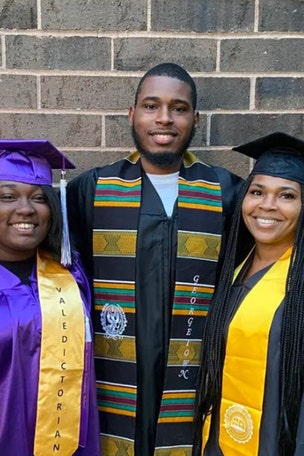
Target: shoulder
(230,186)
(77,269)
(84,178)
(225,178)
(91,176)
(228,179)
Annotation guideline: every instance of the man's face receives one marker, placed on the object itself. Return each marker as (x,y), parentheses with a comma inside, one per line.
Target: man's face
(163,123)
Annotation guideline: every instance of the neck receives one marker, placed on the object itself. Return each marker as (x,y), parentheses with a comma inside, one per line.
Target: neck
(269,254)
(264,256)
(21,256)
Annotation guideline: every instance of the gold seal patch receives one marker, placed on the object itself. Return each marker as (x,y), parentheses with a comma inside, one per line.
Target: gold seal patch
(238,423)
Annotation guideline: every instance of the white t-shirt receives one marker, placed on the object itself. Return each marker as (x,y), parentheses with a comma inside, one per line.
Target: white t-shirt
(166,186)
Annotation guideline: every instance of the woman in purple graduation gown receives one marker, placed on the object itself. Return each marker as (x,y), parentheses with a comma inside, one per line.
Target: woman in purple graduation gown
(47,386)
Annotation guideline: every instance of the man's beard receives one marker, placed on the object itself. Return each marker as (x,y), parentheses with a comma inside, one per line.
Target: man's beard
(162,159)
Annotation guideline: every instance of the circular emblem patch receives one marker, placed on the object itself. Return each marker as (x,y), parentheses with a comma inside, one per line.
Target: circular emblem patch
(113,320)
(238,423)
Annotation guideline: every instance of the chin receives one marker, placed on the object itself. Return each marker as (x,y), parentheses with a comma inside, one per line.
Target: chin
(162,159)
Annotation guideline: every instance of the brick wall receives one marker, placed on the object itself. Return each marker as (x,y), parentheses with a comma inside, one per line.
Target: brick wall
(69,69)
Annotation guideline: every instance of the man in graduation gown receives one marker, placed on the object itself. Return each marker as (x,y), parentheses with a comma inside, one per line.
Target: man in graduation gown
(149,228)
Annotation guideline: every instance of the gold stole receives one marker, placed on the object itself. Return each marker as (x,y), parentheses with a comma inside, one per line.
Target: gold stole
(246,362)
(61,360)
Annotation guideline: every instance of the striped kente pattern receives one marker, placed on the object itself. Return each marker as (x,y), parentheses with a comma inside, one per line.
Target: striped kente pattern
(118,399)
(114,192)
(199,195)
(177,405)
(200,302)
(121,293)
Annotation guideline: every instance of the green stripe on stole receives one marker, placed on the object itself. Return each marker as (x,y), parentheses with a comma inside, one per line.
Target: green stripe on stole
(199,247)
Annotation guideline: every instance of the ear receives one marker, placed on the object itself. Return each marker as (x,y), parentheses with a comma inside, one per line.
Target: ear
(196,119)
(131,115)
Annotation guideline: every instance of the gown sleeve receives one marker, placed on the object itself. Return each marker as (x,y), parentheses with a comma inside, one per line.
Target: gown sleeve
(80,203)
(231,185)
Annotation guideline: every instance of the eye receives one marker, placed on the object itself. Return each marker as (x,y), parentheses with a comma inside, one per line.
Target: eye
(255,192)
(40,198)
(287,195)
(179,109)
(150,106)
(7,197)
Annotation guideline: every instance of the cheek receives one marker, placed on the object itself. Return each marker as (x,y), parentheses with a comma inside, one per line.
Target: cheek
(139,128)
(45,216)
(185,125)
(245,207)
(292,213)
(297,215)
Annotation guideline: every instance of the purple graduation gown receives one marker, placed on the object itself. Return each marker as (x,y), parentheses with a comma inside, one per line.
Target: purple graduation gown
(20,333)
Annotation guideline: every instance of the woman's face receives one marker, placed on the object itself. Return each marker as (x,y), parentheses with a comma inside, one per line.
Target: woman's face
(271,210)
(24,220)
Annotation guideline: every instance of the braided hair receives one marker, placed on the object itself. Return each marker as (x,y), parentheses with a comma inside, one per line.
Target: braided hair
(292,333)
(292,345)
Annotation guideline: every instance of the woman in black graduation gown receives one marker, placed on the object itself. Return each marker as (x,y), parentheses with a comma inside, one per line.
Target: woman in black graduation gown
(251,381)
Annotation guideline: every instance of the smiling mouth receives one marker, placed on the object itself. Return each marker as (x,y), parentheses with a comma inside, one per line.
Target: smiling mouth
(264,221)
(163,138)
(24,226)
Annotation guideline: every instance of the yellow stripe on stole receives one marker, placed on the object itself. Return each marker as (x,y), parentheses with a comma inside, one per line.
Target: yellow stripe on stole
(246,362)
(61,360)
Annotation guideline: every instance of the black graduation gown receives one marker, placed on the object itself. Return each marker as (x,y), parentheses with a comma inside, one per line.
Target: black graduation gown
(268,439)
(155,264)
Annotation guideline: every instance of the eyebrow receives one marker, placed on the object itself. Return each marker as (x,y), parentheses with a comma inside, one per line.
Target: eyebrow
(284,187)
(174,100)
(14,185)
(7,185)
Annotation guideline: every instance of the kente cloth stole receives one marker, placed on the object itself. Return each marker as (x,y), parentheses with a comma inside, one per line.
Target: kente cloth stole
(246,362)
(61,360)
(116,213)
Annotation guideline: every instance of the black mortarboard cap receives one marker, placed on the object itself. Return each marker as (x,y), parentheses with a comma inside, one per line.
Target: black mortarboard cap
(278,155)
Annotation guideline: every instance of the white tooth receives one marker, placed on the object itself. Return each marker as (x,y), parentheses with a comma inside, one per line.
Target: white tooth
(267,221)
(25,226)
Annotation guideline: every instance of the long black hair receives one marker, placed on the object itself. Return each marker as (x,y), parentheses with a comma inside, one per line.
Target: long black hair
(292,334)
(52,242)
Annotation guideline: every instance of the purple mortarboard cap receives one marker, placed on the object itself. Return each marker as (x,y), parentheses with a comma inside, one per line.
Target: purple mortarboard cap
(30,161)
(278,155)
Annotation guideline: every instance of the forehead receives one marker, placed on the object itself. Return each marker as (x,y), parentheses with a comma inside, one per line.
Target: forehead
(274,181)
(165,87)
(19,185)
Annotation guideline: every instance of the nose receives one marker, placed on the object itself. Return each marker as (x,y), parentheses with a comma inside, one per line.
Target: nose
(269,203)
(164,115)
(25,207)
